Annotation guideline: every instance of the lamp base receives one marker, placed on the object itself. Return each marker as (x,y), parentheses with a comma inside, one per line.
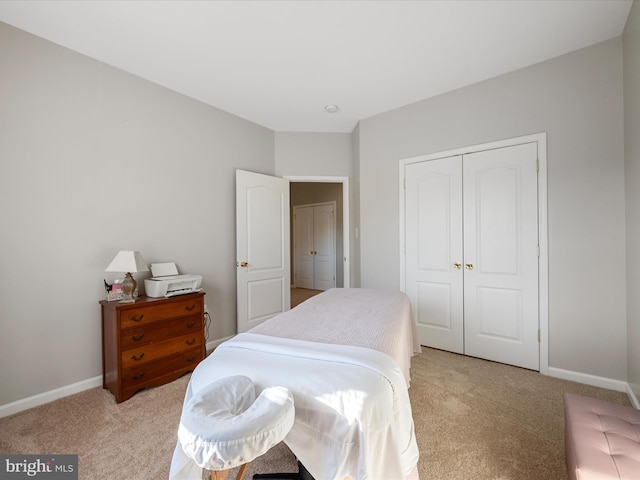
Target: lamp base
(129,289)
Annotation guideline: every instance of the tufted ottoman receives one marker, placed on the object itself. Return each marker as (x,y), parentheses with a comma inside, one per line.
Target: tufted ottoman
(602,439)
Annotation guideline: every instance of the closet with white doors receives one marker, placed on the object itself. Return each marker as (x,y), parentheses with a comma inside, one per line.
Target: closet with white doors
(471,251)
(314,246)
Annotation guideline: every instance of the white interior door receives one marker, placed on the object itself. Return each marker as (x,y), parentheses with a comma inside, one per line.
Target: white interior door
(303,247)
(433,244)
(262,248)
(314,246)
(324,246)
(501,255)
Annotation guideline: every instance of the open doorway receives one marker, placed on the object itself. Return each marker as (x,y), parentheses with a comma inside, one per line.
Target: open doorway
(313,190)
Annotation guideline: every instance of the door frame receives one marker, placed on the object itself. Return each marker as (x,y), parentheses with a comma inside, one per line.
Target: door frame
(543,261)
(345,216)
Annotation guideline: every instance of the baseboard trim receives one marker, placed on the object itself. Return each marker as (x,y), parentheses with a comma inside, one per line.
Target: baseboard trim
(587,379)
(46,397)
(214,343)
(632,397)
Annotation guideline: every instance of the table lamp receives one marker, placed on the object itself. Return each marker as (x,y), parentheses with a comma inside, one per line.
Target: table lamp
(128,261)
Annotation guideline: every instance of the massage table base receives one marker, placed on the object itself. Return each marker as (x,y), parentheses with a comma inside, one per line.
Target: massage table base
(302,474)
(222,474)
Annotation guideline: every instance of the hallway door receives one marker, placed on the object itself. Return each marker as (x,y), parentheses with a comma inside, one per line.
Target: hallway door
(262,248)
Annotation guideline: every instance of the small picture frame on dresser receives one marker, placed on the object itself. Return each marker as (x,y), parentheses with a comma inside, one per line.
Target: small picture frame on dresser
(113,291)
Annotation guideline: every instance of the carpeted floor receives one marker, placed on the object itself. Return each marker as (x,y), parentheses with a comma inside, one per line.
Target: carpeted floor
(474,420)
(299,295)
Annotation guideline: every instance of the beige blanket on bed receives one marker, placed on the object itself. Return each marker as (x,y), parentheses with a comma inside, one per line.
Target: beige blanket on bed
(370,318)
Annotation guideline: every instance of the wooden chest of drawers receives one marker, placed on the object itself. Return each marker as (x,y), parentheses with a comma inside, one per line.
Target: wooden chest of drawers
(150,342)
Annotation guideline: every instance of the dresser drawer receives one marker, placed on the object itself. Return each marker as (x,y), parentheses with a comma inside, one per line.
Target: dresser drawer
(154,351)
(137,337)
(142,375)
(144,315)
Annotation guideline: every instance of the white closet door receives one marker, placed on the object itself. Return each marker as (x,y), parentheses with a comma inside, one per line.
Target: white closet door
(433,242)
(315,246)
(324,234)
(501,255)
(303,247)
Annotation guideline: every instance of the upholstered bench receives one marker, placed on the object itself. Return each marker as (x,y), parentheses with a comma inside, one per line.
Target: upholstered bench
(602,439)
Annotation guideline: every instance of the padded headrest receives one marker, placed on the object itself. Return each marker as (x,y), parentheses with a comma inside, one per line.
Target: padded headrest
(224,425)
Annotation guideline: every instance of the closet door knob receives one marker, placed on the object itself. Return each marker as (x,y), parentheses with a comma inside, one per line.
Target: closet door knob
(457,266)
(468,266)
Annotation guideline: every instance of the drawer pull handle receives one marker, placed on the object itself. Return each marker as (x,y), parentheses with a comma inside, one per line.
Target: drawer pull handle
(136,358)
(190,308)
(138,376)
(190,324)
(137,338)
(191,358)
(137,319)
(190,342)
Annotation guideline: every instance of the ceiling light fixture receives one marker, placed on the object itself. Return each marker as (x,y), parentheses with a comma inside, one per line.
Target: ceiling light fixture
(331,108)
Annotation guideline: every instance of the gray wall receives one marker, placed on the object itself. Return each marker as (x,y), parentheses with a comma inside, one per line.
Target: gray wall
(94,160)
(577,99)
(323,155)
(631,42)
(313,154)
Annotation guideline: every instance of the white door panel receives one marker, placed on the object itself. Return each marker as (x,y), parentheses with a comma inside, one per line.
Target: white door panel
(500,243)
(262,248)
(324,247)
(434,250)
(264,231)
(303,247)
(264,299)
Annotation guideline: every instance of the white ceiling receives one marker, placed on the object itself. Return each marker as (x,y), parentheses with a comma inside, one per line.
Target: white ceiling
(278,63)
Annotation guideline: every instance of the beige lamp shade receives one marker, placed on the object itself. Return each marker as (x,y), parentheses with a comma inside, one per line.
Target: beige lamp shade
(128,261)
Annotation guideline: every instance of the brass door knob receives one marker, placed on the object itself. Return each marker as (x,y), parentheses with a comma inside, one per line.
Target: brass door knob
(457,266)
(243,264)
(468,266)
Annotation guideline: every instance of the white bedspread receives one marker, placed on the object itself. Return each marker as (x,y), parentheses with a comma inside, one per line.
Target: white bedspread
(370,318)
(353,416)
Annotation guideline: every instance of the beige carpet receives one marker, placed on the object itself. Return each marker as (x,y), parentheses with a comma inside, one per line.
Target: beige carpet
(474,420)
(299,295)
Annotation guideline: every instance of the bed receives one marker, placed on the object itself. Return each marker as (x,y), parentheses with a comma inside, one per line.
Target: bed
(345,354)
